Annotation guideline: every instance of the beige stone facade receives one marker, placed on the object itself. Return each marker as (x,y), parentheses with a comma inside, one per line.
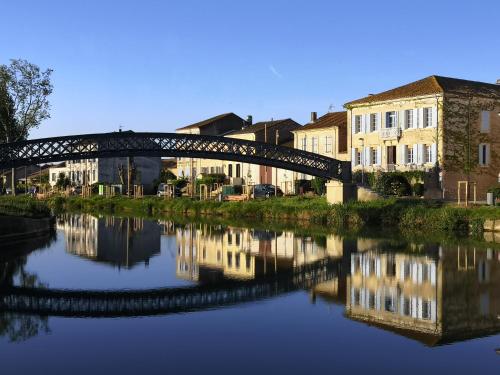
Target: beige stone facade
(412,128)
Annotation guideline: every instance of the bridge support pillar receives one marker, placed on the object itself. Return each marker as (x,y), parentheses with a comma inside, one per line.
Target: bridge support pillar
(340,192)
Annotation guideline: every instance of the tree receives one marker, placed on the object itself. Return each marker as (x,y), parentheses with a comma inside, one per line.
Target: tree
(24,104)
(62,181)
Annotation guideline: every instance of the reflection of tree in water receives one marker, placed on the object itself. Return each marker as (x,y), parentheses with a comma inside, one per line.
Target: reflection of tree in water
(19,327)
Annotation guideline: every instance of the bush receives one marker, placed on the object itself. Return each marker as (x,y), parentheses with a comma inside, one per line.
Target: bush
(393,183)
(495,190)
(318,184)
(418,189)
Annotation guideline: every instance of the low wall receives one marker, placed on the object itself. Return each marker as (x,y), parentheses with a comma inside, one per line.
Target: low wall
(13,228)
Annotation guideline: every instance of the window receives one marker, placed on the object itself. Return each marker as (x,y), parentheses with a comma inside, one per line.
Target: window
(373,122)
(328,144)
(53,176)
(238,170)
(229,239)
(357,124)
(409,155)
(371,300)
(212,170)
(485,121)
(314,141)
(426,310)
(427,154)
(230,170)
(408,119)
(427,117)
(389,304)
(390,119)
(304,144)
(373,155)
(356,297)
(406,306)
(237,239)
(484,150)
(248,261)
(93,175)
(237,260)
(229,259)
(359,156)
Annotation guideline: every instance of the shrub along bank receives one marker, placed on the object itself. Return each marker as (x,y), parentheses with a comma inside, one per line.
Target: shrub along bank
(402,214)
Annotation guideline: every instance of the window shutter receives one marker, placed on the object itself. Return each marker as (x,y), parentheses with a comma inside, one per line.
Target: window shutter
(485,122)
(402,154)
(434,117)
(415,154)
(420,155)
(433,273)
(480,153)
(487,154)
(367,155)
(383,121)
(353,123)
(420,117)
(434,153)
(379,120)
(414,124)
(379,155)
(401,116)
(353,157)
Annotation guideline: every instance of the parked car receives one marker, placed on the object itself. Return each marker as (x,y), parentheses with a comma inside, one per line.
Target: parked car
(265,191)
(162,192)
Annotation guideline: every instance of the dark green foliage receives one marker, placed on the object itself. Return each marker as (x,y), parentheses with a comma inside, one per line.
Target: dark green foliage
(418,189)
(318,184)
(495,190)
(24,206)
(62,181)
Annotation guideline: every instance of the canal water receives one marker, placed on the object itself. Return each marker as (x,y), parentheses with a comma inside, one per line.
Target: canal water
(129,295)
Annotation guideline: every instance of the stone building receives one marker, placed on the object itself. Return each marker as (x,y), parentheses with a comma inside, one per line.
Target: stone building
(437,124)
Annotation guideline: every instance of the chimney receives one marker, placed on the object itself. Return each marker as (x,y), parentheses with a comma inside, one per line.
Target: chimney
(314,116)
(248,121)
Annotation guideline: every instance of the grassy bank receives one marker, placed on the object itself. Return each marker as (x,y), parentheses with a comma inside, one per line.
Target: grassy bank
(405,215)
(23,206)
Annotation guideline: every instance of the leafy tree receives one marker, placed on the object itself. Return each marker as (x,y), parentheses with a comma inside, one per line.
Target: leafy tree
(62,181)
(24,91)
(24,104)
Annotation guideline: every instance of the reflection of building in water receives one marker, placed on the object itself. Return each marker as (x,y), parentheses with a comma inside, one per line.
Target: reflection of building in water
(437,298)
(118,241)
(209,252)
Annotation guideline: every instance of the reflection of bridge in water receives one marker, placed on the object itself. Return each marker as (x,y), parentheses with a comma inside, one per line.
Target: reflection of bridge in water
(163,301)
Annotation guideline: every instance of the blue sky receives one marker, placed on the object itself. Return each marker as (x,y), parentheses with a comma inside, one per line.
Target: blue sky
(157,65)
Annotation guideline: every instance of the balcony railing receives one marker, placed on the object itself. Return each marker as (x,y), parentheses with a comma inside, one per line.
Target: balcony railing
(387,133)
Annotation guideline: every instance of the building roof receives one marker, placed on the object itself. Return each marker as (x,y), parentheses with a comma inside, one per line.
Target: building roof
(433,85)
(206,122)
(259,126)
(328,120)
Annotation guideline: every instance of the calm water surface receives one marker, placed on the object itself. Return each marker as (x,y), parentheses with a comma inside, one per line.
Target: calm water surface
(127,296)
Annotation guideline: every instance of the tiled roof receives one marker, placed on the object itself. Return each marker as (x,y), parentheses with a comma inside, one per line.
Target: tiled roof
(261,125)
(433,85)
(207,121)
(328,120)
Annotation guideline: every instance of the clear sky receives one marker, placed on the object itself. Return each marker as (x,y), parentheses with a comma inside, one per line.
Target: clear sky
(157,65)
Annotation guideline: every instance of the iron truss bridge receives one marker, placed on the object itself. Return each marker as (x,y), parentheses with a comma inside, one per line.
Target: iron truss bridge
(122,144)
(74,303)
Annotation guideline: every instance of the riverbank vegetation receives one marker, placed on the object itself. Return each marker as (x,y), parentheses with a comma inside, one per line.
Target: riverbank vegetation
(24,206)
(414,215)
(400,214)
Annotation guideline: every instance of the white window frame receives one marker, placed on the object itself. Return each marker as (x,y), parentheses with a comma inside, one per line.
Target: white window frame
(358,123)
(304,143)
(373,122)
(328,144)
(408,120)
(427,154)
(359,157)
(484,157)
(314,144)
(485,121)
(391,117)
(410,156)
(373,155)
(427,116)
